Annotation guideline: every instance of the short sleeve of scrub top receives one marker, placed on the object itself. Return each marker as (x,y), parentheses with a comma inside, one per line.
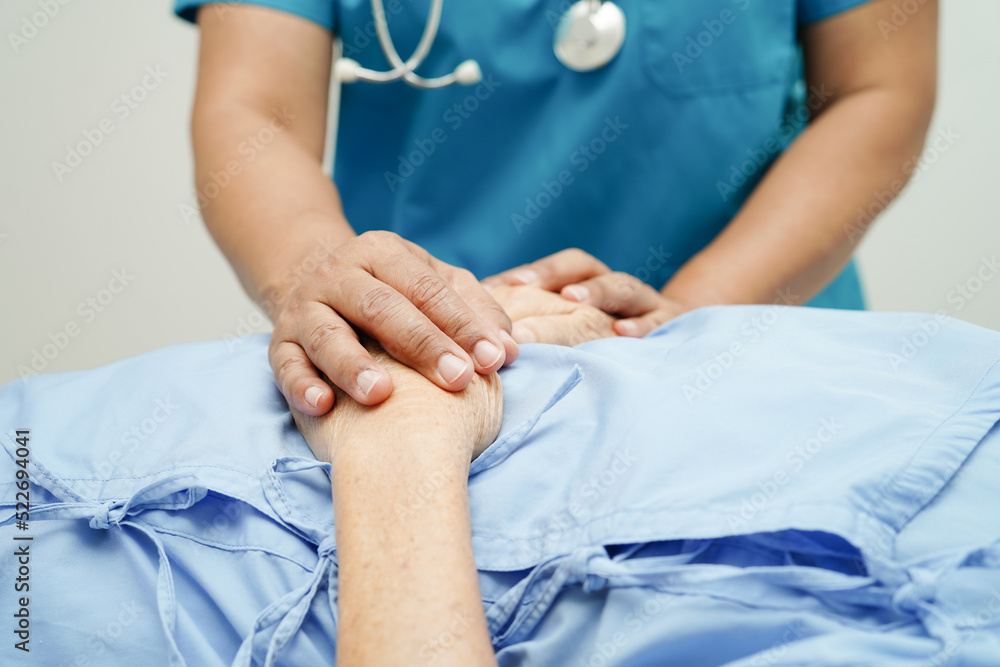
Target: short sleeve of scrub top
(641,163)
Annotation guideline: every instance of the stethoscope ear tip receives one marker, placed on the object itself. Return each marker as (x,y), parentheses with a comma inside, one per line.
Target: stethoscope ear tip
(589,35)
(346,70)
(468,73)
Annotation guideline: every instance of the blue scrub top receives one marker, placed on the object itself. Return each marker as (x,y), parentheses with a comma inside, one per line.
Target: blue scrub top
(641,163)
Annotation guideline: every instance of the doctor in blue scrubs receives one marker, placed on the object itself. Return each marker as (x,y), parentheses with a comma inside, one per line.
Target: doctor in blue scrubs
(731,151)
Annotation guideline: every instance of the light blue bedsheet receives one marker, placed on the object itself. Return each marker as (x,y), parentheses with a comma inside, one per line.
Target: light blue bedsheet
(745,486)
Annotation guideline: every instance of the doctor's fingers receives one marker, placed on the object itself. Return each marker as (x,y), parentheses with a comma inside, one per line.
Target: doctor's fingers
(553,272)
(389,304)
(617,293)
(477,298)
(320,341)
(482,303)
(441,308)
(637,327)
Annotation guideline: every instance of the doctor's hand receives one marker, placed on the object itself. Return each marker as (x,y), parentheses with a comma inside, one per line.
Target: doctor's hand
(582,278)
(431,316)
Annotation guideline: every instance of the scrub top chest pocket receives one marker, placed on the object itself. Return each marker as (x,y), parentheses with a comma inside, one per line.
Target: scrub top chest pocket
(692,48)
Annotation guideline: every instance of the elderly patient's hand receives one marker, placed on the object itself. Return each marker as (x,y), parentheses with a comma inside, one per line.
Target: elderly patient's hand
(469,418)
(540,316)
(417,410)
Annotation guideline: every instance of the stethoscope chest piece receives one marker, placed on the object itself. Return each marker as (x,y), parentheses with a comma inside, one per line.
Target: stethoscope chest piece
(587,37)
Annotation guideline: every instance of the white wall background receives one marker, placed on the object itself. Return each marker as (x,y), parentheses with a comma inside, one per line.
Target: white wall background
(122,209)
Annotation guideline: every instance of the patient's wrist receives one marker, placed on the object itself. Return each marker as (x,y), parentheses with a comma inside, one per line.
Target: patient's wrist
(449,425)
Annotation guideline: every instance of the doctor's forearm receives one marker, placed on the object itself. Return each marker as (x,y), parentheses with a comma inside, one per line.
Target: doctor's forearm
(799,228)
(258,129)
(277,211)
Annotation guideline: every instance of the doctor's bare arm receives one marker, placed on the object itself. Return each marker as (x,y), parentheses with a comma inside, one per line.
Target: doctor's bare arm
(875,92)
(873,82)
(258,128)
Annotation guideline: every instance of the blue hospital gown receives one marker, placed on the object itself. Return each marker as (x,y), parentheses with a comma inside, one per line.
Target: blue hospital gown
(748,485)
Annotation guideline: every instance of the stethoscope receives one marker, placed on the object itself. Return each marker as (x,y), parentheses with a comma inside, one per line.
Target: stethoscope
(589,35)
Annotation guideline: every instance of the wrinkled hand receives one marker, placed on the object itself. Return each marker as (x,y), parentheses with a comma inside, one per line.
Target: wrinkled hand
(471,417)
(540,316)
(431,316)
(580,277)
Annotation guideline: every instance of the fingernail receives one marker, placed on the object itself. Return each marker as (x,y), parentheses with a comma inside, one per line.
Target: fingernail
(511,349)
(627,328)
(523,334)
(486,353)
(367,380)
(313,394)
(525,277)
(451,367)
(576,293)
(507,338)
